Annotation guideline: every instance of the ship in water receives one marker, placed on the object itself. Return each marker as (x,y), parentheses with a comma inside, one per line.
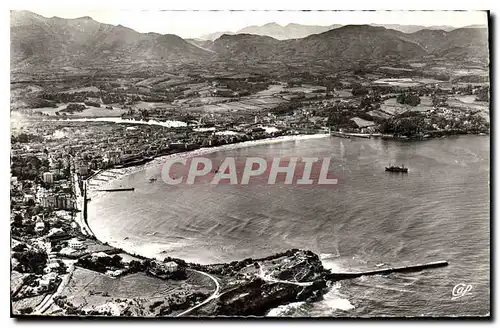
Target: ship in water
(152,179)
(394,168)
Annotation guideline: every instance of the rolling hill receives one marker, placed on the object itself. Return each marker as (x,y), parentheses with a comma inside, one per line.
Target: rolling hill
(458,44)
(346,44)
(290,31)
(38,42)
(353,43)
(296,31)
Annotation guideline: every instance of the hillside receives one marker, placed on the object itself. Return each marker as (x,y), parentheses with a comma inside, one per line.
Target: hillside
(246,46)
(459,44)
(360,42)
(414,28)
(290,31)
(214,36)
(297,31)
(353,43)
(38,42)
(346,44)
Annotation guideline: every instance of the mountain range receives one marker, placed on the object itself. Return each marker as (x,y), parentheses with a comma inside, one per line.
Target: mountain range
(276,31)
(359,42)
(38,42)
(348,43)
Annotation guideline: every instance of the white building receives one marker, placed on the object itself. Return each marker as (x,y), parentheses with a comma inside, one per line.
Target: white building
(47,200)
(83,169)
(64,202)
(15,184)
(171,266)
(48,177)
(54,232)
(114,157)
(48,279)
(76,244)
(39,226)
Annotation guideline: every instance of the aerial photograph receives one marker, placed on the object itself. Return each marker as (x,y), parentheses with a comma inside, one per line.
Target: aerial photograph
(256,164)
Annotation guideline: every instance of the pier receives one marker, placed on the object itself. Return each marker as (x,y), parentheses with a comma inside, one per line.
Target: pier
(409,268)
(349,135)
(117,189)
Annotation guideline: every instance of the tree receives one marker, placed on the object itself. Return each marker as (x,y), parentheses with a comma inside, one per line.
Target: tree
(366,102)
(31,261)
(19,247)
(62,269)
(408,99)
(438,101)
(27,310)
(359,90)
(116,260)
(18,220)
(483,94)
(135,266)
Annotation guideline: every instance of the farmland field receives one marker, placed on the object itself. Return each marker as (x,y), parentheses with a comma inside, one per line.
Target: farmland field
(92,289)
(29,302)
(362,123)
(245,104)
(405,82)
(85,89)
(379,114)
(392,107)
(306,89)
(464,102)
(418,64)
(343,93)
(90,111)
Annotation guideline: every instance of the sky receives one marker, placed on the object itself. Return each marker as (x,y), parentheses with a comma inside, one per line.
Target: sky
(191,24)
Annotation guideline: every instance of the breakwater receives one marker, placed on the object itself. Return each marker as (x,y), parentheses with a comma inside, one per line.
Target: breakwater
(117,189)
(408,268)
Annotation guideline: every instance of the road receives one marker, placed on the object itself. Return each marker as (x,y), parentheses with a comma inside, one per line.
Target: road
(211,297)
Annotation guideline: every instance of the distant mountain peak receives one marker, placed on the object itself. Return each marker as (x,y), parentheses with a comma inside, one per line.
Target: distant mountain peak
(39,43)
(361,26)
(273,24)
(85,18)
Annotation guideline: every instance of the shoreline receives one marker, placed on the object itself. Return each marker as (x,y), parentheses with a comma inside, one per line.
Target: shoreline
(133,249)
(114,174)
(199,152)
(79,206)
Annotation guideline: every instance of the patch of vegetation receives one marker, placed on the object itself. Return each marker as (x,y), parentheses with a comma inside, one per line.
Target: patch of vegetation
(483,94)
(30,261)
(92,103)
(408,99)
(101,263)
(358,90)
(285,108)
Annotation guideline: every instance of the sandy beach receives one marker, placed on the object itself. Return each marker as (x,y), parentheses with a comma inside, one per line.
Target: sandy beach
(105,177)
